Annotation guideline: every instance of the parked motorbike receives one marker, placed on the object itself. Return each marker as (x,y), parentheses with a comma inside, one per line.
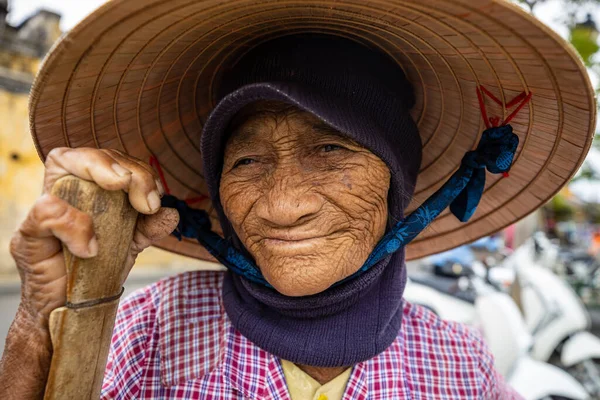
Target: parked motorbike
(554,314)
(469,299)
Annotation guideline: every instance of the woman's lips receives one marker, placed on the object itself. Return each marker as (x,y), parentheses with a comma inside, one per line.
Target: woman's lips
(293,245)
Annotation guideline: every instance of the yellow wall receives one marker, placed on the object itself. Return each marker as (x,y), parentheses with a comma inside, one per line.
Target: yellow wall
(21,173)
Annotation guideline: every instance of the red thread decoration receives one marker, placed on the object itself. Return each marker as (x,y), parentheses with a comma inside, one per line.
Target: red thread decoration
(156,165)
(492,122)
(193,200)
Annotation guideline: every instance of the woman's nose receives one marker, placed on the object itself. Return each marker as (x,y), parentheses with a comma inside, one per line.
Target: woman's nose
(289,199)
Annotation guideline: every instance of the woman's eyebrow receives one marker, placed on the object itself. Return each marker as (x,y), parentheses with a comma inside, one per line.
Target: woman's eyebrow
(243,135)
(322,127)
(330,132)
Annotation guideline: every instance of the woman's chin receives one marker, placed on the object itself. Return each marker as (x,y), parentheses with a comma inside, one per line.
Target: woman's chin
(292,290)
(289,282)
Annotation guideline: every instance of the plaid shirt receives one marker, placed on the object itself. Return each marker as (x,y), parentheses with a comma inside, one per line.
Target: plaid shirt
(173,340)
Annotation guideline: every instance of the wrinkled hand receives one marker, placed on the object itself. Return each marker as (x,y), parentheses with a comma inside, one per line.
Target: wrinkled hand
(36,246)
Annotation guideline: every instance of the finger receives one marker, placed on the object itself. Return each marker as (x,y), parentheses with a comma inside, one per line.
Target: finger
(109,173)
(85,163)
(144,165)
(52,218)
(145,187)
(141,163)
(152,228)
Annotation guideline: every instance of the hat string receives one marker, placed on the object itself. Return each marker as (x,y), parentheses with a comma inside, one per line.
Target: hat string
(462,193)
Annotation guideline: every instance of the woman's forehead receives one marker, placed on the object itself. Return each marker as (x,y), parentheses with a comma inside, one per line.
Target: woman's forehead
(268,125)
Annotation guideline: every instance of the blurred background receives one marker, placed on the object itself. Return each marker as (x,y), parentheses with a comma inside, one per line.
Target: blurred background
(542,275)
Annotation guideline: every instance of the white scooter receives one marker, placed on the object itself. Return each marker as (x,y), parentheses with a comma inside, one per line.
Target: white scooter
(554,314)
(499,318)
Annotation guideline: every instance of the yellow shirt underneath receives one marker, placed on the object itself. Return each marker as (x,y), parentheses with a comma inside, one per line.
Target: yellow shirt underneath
(302,386)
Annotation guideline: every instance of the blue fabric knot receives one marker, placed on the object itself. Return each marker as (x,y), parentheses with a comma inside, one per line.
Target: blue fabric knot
(195,224)
(191,220)
(495,153)
(495,150)
(462,192)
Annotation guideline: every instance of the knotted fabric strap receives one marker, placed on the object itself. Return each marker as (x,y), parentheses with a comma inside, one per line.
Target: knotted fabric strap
(195,224)
(462,192)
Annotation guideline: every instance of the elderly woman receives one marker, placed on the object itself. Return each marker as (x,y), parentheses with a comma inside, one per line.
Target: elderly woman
(311,159)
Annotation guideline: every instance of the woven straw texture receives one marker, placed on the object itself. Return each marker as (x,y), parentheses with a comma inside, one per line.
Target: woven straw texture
(140,76)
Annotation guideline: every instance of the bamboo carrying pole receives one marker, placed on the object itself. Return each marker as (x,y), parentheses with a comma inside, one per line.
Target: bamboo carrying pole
(81,330)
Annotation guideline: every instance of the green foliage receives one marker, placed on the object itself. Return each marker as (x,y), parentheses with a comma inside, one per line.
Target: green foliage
(583,33)
(585,40)
(592,213)
(560,208)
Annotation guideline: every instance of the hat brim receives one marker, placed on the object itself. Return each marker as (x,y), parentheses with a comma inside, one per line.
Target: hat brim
(140,76)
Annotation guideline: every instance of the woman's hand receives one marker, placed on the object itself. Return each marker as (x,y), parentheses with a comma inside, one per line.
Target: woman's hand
(37,249)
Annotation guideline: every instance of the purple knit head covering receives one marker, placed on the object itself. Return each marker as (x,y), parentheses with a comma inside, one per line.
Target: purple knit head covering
(366,96)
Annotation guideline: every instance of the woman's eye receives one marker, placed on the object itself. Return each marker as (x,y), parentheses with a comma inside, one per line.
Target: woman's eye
(244,161)
(330,147)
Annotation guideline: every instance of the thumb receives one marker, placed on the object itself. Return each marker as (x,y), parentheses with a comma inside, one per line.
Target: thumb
(152,228)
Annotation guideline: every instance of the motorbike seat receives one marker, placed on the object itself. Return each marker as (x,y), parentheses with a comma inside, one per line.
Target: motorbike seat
(445,285)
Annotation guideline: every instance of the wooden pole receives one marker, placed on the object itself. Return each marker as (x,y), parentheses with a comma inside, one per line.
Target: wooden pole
(81,330)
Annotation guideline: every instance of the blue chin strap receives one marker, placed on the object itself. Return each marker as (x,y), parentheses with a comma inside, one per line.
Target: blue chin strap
(462,193)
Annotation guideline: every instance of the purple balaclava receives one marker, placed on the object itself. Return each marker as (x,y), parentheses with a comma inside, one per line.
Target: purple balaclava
(365,95)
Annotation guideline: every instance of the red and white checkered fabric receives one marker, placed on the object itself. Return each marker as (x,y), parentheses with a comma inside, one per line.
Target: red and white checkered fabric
(173,340)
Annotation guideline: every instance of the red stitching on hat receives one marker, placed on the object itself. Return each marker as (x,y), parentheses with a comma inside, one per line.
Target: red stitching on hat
(156,165)
(522,99)
(193,200)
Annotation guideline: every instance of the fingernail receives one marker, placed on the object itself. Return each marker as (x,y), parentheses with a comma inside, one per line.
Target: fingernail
(153,200)
(93,247)
(119,170)
(160,187)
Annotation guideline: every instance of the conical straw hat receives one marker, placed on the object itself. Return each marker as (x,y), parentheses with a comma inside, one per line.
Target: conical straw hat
(140,76)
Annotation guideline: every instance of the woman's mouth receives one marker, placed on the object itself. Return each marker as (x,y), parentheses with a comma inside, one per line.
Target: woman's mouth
(293,244)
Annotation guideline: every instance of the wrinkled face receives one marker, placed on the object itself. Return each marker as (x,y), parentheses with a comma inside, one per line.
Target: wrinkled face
(307,203)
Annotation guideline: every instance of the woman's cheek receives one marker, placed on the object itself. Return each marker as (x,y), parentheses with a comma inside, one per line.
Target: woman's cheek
(237,199)
(357,193)
(361,194)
